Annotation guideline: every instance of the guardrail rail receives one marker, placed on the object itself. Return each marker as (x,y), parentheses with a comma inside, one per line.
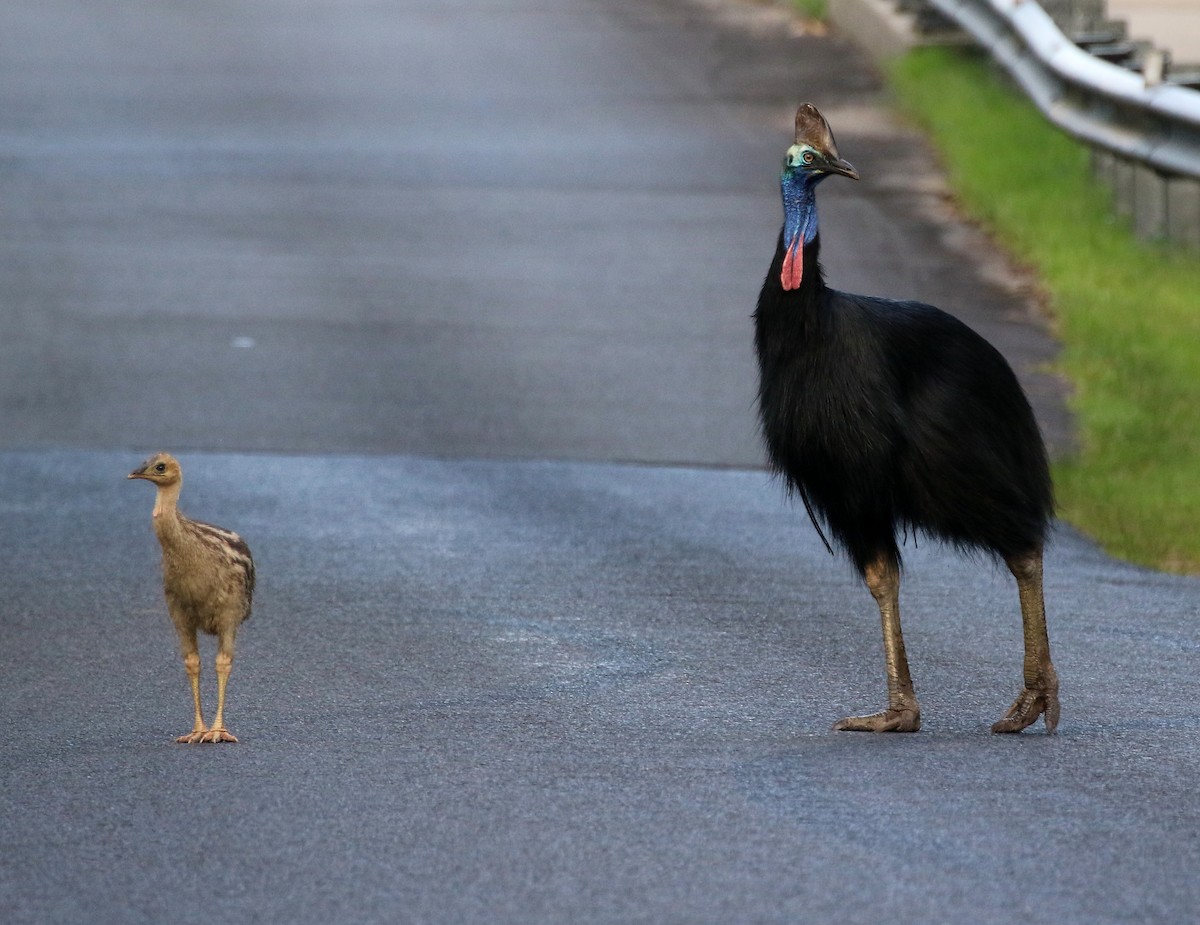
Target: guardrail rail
(1138,112)
(1144,129)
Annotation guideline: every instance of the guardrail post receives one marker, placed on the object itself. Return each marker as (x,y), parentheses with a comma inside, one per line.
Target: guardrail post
(1124,189)
(1104,168)
(1183,211)
(1150,203)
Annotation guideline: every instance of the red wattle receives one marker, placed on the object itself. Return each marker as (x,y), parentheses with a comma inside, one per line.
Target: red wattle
(793,265)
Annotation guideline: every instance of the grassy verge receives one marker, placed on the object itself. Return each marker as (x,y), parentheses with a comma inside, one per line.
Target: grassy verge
(813,9)
(1128,313)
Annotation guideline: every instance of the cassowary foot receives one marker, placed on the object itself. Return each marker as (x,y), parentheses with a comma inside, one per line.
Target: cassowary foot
(1029,705)
(220,734)
(900,719)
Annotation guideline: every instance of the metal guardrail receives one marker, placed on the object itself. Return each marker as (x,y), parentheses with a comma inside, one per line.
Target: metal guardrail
(1101,103)
(1148,131)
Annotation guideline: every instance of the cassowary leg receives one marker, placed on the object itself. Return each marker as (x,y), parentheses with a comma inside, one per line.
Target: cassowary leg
(191,664)
(903,713)
(1039,697)
(217,732)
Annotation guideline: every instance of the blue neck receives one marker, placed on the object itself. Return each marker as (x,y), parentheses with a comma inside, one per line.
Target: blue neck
(799,206)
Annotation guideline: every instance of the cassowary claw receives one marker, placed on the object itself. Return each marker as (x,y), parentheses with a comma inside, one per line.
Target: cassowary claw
(898,720)
(218,735)
(1029,705)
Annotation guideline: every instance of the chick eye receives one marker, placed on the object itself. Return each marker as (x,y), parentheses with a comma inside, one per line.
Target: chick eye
(161,467)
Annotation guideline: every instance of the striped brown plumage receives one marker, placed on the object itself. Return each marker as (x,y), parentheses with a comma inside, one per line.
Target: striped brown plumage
(208,582)
(230,548)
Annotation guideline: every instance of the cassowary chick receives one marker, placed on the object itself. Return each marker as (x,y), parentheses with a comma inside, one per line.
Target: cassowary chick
(208,580)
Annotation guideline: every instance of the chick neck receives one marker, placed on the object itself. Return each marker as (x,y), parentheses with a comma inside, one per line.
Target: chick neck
(166,501)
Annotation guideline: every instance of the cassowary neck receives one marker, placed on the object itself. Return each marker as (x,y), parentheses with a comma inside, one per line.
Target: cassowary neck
(799,225)
(807,292)
(799,206)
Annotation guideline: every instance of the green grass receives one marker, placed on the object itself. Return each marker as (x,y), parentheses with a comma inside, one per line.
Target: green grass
(1128,313)
(813,9)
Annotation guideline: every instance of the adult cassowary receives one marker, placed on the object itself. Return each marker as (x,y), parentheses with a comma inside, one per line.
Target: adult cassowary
(886,416)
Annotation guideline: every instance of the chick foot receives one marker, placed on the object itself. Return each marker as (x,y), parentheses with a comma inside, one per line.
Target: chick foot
(899,719)
(1029,705)
(191,738)
(218,734)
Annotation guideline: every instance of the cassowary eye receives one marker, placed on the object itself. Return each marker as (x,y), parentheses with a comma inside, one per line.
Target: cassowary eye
(807,157)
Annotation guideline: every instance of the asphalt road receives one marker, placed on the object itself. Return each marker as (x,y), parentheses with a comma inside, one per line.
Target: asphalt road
(445,308)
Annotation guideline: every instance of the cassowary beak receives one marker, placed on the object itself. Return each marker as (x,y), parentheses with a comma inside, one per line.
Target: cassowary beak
(841,167)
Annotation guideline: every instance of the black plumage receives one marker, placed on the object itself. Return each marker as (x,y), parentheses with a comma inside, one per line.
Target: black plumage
(890,418)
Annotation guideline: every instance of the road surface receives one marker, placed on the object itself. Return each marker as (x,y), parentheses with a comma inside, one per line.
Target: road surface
(445,308)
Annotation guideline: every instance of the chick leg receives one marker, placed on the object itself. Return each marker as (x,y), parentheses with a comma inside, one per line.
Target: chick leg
(217,732)
(1039,697)
(191,664)
(903,713)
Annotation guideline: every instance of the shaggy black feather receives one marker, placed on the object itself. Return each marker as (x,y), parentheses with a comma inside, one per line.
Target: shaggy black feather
(886,416)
